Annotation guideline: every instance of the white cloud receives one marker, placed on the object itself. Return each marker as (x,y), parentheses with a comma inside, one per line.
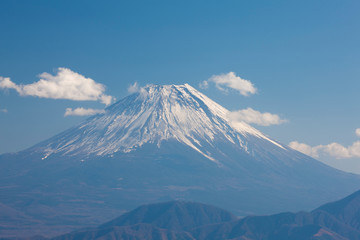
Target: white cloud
(82,111)
(7,83)
(230,80)
(304,148)
(250,115)
(133,88)
(357,132)
(3,110)
(335,150)
(66,84)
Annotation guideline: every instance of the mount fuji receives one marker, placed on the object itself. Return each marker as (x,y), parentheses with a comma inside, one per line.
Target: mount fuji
(162,143)
(158,114)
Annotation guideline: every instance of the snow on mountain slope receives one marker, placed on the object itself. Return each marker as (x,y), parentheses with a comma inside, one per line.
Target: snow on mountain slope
(154,114)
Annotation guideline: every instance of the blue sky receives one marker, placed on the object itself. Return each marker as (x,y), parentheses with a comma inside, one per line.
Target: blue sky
(303,58)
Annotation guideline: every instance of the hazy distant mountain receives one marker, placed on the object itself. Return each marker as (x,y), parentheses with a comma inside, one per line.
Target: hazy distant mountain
(177,216)
(185,220)
(159,144)
(347,210)
(334,221)
(170,220)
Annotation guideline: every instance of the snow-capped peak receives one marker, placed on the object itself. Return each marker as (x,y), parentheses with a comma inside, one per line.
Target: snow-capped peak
(154,114)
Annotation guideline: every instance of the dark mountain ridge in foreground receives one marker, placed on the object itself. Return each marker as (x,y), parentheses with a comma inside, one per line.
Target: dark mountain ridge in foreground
(187,220)
(162,143)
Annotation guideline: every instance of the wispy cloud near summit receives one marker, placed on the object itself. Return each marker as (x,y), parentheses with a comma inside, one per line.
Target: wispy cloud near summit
(133,88)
